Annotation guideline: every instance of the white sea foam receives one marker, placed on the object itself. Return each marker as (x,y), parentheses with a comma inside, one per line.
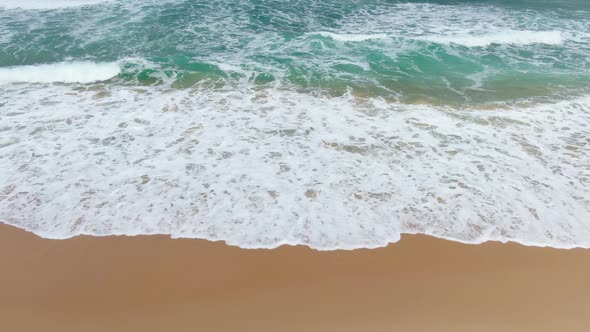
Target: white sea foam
(512,37)
(48,4)
(470,39)
(65,72)
(351,37)
(261,168)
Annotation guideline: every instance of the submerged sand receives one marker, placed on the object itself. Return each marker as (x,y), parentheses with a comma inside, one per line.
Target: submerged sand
(154,283)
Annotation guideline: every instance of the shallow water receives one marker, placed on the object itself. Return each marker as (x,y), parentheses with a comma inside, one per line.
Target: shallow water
(331,124)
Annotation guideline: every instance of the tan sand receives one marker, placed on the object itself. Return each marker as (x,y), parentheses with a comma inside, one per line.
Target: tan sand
(153,283)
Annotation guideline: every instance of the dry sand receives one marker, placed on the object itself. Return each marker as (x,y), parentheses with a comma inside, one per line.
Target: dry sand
(154,283)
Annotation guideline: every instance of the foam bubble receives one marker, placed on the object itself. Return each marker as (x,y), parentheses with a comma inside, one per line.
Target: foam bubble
(512,37)
(65,72)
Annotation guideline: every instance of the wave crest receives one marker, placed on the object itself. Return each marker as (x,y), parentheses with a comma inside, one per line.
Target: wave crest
(44,4)
(351,37)
(63,72)
(512,37)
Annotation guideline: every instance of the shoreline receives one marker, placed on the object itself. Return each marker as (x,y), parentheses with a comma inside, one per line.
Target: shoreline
(155,283)
(302,245)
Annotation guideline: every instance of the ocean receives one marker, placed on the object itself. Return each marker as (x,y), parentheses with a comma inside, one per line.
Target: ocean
(332,124)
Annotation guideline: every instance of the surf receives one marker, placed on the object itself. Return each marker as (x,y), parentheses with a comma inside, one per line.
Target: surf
(64,72)
(350,37)
(48,4)
(507,37)
(263,167)
(332,124)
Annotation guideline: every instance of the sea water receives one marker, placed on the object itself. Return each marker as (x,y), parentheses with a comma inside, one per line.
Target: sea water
(331,124)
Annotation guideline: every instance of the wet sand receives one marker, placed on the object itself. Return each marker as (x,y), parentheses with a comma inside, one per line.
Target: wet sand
(154,283)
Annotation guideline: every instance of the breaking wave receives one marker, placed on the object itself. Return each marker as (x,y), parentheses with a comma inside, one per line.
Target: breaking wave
(64,72)
(511,37)
(47,4)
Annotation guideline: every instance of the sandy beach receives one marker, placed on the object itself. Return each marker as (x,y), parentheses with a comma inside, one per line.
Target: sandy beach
(154,283)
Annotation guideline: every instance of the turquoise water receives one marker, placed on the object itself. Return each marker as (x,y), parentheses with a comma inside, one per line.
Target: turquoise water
(335,124)
(439,52)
